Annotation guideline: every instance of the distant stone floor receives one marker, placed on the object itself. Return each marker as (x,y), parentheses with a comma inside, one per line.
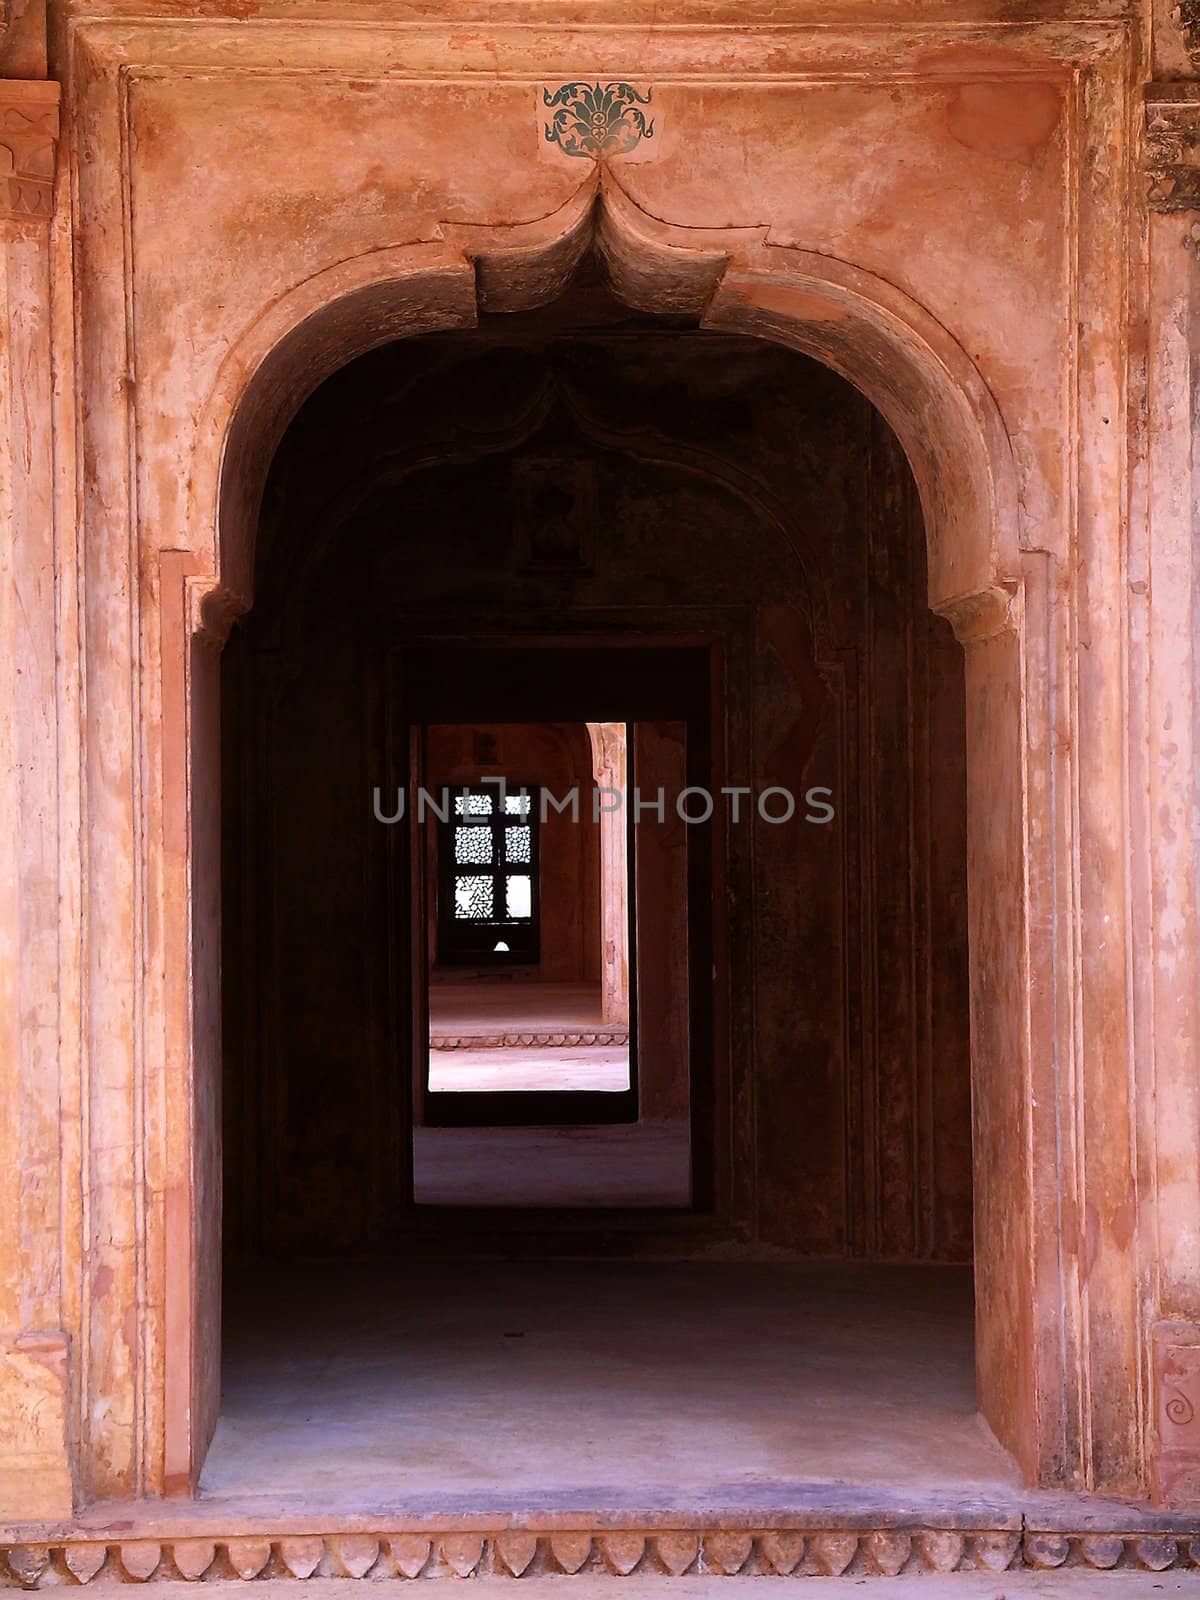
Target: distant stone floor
(490,1036)
(539,1065)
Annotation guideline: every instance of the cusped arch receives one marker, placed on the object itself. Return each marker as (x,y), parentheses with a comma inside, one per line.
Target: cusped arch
(929,390)
(905,362)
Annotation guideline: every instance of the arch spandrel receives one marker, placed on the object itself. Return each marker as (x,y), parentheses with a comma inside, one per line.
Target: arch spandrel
(298,342)
(925,387)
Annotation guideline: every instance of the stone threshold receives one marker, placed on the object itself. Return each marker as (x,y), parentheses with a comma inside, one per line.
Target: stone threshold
(213,1541)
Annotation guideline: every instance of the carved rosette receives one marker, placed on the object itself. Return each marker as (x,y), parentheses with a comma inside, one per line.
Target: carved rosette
(1172,147)
(597,120)
(28,141)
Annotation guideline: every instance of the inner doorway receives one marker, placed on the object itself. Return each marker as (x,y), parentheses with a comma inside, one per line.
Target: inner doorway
(521,1028)
(547,1020)
(614,479)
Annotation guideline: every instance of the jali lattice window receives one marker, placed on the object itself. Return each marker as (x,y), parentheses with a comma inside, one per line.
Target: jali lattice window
(488,878)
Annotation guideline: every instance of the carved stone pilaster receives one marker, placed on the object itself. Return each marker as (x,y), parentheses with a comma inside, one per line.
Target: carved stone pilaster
(1175,1460)
(35,1462)
(35,1476)
(28,141)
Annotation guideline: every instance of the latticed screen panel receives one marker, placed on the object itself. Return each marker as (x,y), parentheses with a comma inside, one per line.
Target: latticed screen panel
(473,846)
(474,898)
(474,804)
(518,846)
(489,895)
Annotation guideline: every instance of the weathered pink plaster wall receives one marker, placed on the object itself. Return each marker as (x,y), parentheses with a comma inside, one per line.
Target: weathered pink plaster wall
(949,209)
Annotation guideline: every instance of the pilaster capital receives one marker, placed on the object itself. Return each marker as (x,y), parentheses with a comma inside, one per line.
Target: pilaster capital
(28,141)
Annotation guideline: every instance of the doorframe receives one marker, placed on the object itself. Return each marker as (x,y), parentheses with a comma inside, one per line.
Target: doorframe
(1043,1380)
(695,703)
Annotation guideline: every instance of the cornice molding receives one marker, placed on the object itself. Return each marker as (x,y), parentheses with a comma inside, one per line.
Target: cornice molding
(29,119)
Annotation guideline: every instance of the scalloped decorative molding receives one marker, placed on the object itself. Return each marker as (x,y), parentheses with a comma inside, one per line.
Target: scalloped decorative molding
(594,1038)
(886,1549)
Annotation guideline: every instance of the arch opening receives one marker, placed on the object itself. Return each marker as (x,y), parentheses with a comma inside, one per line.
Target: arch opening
(443,433)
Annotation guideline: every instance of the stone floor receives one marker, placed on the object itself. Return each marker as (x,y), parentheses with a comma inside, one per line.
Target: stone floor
(631,1165)
(568,1384)
(515,1069)
(489,1005)
(647,1164)
(474,1016)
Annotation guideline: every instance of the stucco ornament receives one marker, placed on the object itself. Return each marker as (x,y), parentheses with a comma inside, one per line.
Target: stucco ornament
(1186,17)
(28,137)
(1172,149)
(597,120)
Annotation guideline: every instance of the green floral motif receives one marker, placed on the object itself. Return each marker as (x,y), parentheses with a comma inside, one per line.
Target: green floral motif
(593,119)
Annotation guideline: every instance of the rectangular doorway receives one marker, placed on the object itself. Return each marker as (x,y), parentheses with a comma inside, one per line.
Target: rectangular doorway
(516,835)
(556,920)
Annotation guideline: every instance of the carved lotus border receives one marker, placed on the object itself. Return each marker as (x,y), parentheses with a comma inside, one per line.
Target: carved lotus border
(613,1552)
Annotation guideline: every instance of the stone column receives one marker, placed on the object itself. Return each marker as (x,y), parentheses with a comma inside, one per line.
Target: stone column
(608,769)
(1165,663)
(35,1477)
